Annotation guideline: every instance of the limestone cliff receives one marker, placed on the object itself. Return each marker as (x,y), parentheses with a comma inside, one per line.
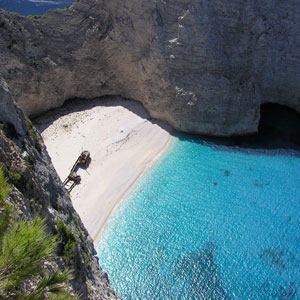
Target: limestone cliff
(202,66)
(37,190)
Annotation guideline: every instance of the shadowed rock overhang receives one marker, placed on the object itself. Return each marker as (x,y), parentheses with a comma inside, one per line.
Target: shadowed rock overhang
(203,66)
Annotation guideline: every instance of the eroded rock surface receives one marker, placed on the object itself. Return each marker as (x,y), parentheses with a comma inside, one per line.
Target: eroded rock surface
(37,190)
(202,66)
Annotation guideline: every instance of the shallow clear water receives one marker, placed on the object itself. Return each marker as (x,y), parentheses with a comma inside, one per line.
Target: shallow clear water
(208,223)
(33,7)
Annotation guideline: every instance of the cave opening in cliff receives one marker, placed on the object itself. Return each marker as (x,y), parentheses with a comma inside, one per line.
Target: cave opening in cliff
(279,128)
(280,125)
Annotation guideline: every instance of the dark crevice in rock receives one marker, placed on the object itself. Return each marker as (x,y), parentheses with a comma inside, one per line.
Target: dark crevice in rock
(279,130)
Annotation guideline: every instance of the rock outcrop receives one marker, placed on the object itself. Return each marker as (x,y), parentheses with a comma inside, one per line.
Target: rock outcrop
(37,190)
(202,66)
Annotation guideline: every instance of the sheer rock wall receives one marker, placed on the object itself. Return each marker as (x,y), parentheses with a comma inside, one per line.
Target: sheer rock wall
(37,190)
(202,66)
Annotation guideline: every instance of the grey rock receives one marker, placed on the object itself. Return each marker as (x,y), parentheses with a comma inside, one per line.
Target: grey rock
(40,192)
(14,117)
(202,66)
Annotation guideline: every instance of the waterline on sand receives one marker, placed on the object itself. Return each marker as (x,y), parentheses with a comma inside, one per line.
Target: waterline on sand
(208,223)
(123,141)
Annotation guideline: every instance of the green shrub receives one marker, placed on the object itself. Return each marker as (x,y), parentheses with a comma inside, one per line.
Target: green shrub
(14,13)
(6,209)
(28,122)
(24,248)
(23,251)
(75,218)
(33,203)
(5,220)
(17,179)
(90,290)
(30,129)
(51,287)
(4,187)
(30,161)
(4,169)
(86,257)
(67,241)
(33,16)
(32,135)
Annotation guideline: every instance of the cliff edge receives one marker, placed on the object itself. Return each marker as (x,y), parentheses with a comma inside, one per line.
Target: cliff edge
(202,66)
(38,191)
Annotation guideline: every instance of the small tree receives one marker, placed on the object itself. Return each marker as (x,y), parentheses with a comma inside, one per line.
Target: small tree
(24,250)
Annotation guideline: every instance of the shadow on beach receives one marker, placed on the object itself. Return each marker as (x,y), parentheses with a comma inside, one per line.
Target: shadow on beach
(279,128)
(43,121)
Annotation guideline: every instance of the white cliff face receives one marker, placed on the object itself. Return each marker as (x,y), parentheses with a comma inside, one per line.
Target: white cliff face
(202,66)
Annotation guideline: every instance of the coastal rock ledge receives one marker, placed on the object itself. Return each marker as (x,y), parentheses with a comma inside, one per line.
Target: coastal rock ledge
(202,66)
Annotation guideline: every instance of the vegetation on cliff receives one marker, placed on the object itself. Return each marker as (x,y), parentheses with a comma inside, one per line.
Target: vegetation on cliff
(26,252)
(34,207)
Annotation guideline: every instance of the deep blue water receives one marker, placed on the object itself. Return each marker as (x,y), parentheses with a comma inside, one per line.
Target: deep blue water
(33,7)
(208,223)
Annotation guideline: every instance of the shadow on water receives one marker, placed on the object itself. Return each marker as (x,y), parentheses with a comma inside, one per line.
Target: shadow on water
(278,133)
(199,271)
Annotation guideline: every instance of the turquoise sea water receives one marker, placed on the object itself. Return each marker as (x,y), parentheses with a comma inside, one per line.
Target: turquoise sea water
(208,223)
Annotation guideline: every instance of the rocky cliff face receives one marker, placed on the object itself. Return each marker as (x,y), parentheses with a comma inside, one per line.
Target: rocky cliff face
(202,66)
(37,190)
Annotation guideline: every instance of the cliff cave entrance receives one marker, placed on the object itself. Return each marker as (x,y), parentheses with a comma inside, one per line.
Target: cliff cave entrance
(280,125)
(279,128)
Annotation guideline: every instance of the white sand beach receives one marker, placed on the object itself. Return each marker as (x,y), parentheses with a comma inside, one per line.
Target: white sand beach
(123,142)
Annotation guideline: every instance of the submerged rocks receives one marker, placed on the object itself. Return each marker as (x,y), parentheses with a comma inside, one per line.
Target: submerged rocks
(202,66)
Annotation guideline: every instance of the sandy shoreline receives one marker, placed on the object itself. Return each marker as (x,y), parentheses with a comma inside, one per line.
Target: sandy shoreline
(123,141)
